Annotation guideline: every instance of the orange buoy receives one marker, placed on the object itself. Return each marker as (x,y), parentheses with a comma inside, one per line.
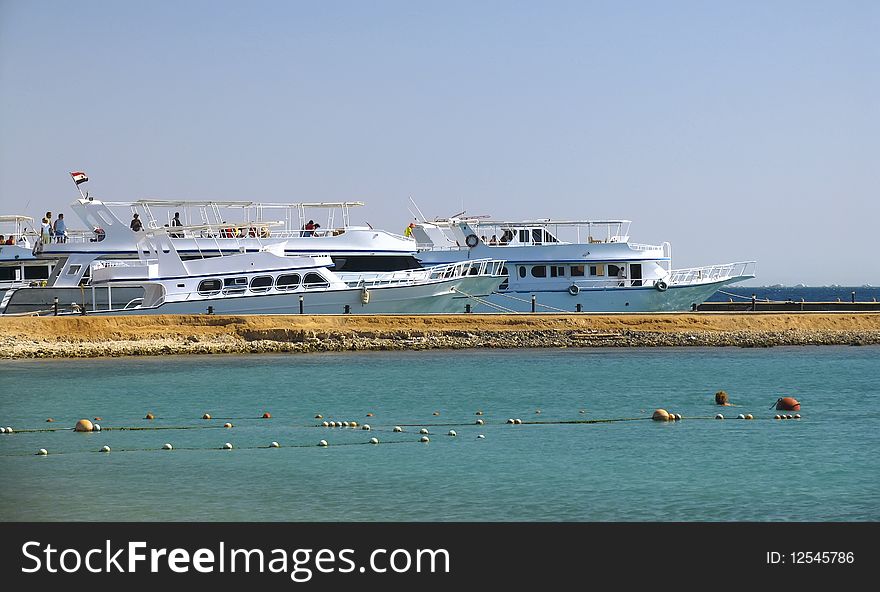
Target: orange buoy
(149,416)
(660,415)
(84,425)
(722,399)
(99,419)
(788,404)
(369,415)
(206,416)
(50,420)
(267,415)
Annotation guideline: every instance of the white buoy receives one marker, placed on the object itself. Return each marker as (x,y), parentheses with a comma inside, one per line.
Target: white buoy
(777,417)
(9,430)
(96,427)
(719,416)
(168,446)
(374,440)
(678,417)
(345,424)
(452,433)
(2,430)
(511,421)
(797,415)
(42,452)
(517,421)
(353,424)
(323,443)
(397,429)
(424,439)
(423,431)
(325,424)
(480,422)
(480,437)
(332,424)
(105,449)
(786,417)
(749,416)
(227,425)
(227,446)
(274,445)
(366,426)
(740,416)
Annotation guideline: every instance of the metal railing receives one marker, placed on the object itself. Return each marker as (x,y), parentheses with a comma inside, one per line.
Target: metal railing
(711,273)
(474,267)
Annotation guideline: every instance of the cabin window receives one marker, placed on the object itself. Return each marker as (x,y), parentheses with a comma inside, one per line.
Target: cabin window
(577,271)
(7,273)
(506,236)
(549,238)
(557,271)
(538,235)
(613,270)
(539,271)
(524,236)
(73,269)
(598,269)
(208,287)
(287,282)
(38,272)
(313,281)
(261,283)
(522,271)
(234,285)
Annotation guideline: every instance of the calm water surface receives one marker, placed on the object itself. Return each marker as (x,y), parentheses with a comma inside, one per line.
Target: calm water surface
(823,467)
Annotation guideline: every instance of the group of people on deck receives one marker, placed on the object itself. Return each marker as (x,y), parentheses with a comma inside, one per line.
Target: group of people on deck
(10,240)
(53,231)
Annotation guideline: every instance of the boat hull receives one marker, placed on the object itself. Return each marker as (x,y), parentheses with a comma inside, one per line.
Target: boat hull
(442,297)
(629,299)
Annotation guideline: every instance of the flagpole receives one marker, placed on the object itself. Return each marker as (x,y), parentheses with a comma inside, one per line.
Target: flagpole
(77,186)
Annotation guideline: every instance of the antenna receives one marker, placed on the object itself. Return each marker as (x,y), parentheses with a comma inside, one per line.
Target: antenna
(417,209)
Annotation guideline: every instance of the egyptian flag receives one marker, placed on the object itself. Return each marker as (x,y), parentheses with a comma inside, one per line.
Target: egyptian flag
(79,177)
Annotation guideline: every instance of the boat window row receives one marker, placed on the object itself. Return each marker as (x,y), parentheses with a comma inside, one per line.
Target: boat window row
(262,283)
(558,271)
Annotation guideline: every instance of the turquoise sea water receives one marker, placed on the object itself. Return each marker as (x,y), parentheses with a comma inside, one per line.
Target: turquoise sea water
(823,467)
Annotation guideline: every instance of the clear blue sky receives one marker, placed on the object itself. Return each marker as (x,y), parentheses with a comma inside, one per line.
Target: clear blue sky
(734,130)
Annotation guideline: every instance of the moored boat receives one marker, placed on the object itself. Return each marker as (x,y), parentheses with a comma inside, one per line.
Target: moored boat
(268,282)
(596,268)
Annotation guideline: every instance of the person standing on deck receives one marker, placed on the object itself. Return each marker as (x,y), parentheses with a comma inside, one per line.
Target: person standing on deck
(136,223)
(60,229)
(621,275)
(45,231)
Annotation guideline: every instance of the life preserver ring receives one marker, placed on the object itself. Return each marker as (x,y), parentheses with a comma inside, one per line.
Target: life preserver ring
(574,290)
(660,285)
(471,240)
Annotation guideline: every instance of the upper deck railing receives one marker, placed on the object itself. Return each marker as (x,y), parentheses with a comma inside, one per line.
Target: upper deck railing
(473,267)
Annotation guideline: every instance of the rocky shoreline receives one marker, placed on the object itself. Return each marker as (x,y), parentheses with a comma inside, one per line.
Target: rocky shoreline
(243,338)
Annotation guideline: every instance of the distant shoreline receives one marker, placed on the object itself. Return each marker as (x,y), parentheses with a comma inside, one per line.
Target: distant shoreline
(89,337)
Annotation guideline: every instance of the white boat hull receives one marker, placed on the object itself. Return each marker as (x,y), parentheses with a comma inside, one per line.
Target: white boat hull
(441,297)
(629,299)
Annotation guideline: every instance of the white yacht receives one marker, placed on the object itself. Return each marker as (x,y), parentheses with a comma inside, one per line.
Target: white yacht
(575,266)
(269,282)
(206,229)
(211,228)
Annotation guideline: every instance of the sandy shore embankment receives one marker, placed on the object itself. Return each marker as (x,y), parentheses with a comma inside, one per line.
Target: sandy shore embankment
(28,337)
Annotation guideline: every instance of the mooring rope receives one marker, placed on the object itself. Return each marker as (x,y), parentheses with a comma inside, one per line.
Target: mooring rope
(485,302)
